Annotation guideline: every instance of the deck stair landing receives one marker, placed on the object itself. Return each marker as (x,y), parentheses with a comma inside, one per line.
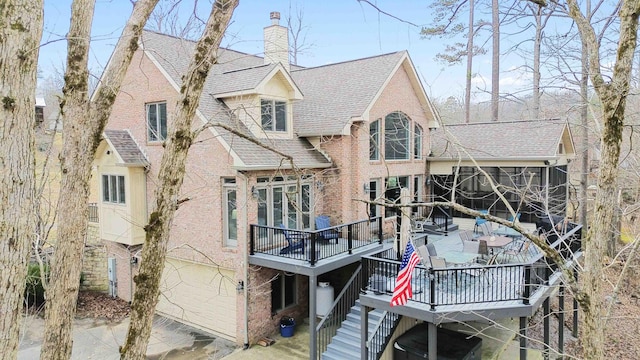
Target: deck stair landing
(437,226)
(345,344)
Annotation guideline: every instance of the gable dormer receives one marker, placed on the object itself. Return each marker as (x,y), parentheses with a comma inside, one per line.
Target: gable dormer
(262,98)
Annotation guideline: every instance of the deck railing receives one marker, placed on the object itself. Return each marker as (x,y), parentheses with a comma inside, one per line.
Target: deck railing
(93,213)
(314,245)
(471,284)
(381,334)
(328,326)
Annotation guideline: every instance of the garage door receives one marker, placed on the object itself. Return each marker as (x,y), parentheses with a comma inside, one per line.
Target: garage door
(199,295)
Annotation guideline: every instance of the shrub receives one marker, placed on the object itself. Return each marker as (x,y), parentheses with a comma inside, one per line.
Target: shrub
(34,291)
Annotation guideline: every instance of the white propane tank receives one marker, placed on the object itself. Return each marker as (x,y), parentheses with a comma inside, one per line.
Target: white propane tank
(324,298)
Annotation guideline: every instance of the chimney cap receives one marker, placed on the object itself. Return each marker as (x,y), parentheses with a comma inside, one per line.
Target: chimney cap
(274,15)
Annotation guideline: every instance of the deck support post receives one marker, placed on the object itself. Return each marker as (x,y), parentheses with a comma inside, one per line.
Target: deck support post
(364,334)
(523,338)
(432,341)
(561,319)
(313,280)
(398,226)
(545,321)
(574,331)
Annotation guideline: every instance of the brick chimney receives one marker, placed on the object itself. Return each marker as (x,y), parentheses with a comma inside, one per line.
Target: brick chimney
(276,42)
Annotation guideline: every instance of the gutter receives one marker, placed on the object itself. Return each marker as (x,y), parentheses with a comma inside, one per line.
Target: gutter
(245,275)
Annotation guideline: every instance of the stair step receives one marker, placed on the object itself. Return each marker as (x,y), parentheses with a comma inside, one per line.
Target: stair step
(347,341)
(331,355)
(345,352)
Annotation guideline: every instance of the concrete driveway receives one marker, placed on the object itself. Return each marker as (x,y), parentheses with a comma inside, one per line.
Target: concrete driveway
(99,339)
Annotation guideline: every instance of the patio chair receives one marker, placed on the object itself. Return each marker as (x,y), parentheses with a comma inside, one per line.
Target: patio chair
(444,277)
(472,247)
(484,272)
(423,254)
(518,252)
(486,229)
(466,235)
(510,218)
(294,239)
(322,222)
(432,250)
(483,250)
(479,220)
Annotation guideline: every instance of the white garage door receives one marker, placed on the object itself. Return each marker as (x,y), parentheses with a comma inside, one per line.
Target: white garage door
(199,295)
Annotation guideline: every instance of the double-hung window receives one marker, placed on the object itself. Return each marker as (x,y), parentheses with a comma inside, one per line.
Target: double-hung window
(374,140)
(230,214)
(417,142)
(283,292)
(273,115)
(113,190)
(157,121)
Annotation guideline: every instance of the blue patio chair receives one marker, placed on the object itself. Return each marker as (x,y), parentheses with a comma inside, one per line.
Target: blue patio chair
(322,222)
(510,218)
(479,220)
(295,239)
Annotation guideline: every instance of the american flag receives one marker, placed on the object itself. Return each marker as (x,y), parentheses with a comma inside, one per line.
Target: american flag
(402,292)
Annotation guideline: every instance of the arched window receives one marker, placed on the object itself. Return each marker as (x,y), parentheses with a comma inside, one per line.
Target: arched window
(396,137)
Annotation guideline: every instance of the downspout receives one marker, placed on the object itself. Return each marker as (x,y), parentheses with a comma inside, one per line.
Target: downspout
(245,267)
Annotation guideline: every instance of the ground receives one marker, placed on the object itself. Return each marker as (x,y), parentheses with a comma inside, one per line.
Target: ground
(98,305)
(622,325)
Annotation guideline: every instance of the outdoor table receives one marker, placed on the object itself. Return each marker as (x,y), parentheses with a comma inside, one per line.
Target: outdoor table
(496,241)
(459,257)
(507,231)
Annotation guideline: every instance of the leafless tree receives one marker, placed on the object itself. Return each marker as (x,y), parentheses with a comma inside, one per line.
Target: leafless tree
(82,135)
(171,176)
(21,31)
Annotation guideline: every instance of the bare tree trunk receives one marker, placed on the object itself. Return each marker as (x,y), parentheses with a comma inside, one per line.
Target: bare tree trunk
(536,64)
(495,60)
(584,135)
(613,96)
(81,138)
(170,178)
(21,31)
(467,89)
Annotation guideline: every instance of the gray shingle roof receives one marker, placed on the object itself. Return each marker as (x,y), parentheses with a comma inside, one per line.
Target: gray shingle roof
(499,140)
(335,93)
(240,70)
(239,80)
(126,147)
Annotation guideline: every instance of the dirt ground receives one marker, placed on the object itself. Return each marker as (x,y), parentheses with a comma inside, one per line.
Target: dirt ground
(98,305)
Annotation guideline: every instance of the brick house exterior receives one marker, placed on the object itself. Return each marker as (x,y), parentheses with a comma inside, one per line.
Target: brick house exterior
(330,114)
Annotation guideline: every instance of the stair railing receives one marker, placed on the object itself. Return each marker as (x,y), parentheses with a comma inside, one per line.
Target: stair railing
(379,338)
(328,326)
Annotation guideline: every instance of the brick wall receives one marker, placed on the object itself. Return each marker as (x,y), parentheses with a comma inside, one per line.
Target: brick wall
(261,322)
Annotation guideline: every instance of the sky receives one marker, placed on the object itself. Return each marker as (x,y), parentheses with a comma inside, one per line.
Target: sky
(338,30)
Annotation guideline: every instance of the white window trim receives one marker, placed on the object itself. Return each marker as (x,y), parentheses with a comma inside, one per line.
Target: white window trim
(273,129)
(226,188)
(119,179)
(158,136)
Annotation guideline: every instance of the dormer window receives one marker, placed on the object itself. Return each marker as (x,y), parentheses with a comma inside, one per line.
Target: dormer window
(274,115)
